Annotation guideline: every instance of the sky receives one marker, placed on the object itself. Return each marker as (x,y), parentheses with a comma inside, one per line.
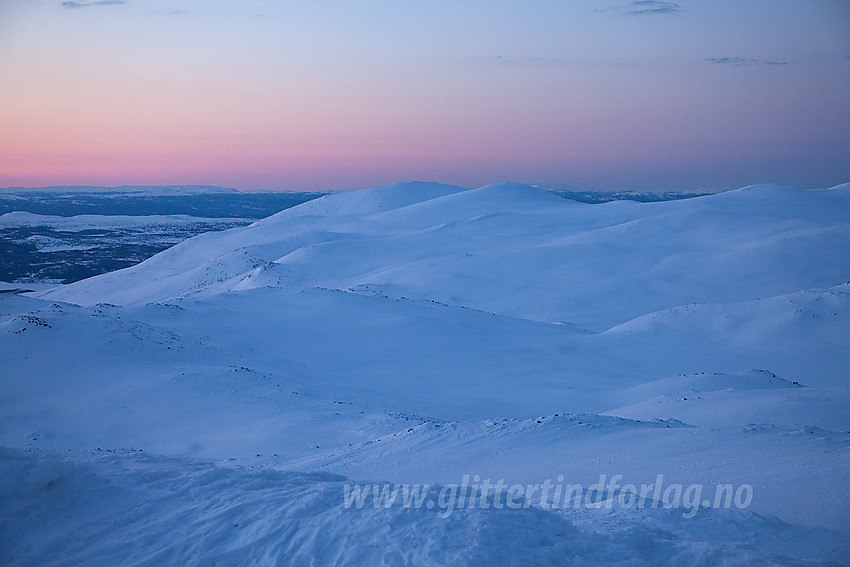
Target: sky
(316,95)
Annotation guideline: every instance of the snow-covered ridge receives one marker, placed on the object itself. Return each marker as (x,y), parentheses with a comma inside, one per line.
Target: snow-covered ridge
(514,250)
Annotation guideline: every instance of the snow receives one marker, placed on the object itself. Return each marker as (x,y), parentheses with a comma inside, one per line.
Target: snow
(119,507)
(518,251)
(420,332)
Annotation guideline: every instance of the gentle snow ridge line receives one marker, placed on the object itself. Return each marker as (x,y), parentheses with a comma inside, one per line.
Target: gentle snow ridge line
(513,250)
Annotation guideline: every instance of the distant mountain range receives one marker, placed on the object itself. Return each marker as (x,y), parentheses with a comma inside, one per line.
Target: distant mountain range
(222,202)
(198,201)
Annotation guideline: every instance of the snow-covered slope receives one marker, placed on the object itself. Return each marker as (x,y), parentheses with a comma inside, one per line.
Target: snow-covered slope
(514,250)
(417,333)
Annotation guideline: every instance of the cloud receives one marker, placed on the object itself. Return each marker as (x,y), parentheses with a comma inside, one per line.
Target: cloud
(642,7)
(532,62)
(743,61)
(87,3)
(646,7)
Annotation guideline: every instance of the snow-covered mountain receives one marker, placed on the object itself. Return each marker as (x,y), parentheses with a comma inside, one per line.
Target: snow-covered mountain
(417,333)
(513,250)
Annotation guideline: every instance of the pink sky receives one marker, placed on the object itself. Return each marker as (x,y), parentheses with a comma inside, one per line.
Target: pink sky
(309,96)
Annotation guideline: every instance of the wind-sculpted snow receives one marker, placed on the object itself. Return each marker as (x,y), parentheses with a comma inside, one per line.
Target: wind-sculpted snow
(130,509)
(211,404)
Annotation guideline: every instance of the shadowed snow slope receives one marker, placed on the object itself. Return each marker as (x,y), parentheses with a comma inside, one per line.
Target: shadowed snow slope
(417,333)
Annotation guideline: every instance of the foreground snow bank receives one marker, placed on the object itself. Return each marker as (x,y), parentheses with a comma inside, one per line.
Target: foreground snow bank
(135,509)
